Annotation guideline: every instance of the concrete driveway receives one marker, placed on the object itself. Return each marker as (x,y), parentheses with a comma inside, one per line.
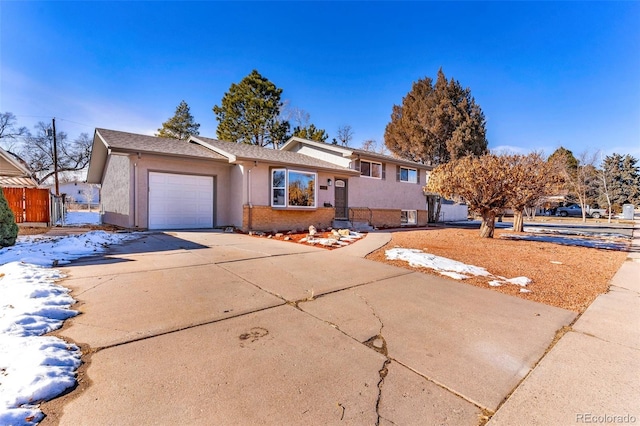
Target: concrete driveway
(214,328)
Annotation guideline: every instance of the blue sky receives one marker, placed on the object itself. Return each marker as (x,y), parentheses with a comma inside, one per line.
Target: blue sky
(546,74)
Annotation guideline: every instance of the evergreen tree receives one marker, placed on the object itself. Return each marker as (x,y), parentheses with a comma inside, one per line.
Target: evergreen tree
(310,132)
(8,227)
(250,113)
(436,123)
(181,125)
(622,181)
(566,157)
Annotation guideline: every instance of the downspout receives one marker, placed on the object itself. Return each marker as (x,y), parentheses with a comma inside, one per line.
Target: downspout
(250,215)
(135,191)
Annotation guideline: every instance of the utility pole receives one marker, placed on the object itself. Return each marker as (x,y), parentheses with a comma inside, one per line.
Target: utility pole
(55,158)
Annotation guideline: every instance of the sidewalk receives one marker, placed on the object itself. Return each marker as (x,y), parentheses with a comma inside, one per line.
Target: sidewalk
(592,375)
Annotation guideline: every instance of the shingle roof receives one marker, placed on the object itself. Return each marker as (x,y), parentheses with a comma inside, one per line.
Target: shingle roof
(141,143)
(276,156)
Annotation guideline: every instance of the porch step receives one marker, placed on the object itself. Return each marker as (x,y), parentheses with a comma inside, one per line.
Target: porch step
(362,226)
(341,224)
(355,225)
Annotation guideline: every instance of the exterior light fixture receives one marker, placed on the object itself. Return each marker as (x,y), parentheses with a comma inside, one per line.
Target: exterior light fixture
(329,182)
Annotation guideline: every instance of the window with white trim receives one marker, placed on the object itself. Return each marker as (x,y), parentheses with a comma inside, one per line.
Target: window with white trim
(371,169)
(408,217)
(408,175)
(293,188)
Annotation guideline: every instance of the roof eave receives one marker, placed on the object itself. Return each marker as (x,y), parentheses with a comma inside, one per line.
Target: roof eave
(346,152)
(232,158)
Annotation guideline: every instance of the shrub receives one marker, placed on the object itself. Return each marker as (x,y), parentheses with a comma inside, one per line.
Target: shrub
(8,227)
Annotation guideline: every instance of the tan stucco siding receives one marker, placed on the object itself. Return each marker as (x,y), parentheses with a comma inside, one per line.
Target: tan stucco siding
(325,155)
(386,193)
(160,164)
(116,190)
(237,191)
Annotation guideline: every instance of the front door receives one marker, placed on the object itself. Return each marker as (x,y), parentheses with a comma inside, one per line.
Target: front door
(342,208)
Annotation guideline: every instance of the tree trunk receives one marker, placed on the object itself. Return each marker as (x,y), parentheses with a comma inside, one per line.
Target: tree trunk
(518,222)
(433,208)
(488,224)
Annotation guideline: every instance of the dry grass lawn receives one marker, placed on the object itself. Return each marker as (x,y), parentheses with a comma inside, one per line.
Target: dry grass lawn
(564,276)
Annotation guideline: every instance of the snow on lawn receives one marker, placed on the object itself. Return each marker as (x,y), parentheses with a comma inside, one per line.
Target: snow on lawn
(451,268)
(35,368)
(76,218)
(607,244)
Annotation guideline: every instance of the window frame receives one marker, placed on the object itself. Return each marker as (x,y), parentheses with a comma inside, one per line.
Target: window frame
(371,163)
(409,170)
(406,222)
(285,188)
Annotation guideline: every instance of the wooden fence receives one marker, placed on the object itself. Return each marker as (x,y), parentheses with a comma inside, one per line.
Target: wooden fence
(29,204)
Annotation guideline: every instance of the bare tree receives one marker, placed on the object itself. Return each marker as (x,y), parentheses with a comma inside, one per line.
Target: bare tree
(37,152)
(87,194)
(345,135)
(582,180)
(9,131)
(530,178)
(605,188)
(370,145)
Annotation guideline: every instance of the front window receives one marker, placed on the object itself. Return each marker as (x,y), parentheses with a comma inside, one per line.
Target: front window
(408,175)
(292,188)
(371,169)
(408,217)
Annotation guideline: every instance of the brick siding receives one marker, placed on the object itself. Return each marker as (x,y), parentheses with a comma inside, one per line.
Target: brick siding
(265,218)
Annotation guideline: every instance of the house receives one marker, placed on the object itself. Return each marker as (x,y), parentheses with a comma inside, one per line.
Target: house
(78,192)
(13,174)
(30,205)
(387,191)
(157,183)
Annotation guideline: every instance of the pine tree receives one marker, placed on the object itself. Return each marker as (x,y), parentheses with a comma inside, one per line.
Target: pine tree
(8,226)
(622,179)
(436,123)
(310,132)
(250,113)
(181,125)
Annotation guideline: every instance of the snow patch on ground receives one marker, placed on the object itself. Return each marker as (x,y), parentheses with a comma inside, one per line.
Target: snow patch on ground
(606,244)
(77,218)
(449,267)
(35,368)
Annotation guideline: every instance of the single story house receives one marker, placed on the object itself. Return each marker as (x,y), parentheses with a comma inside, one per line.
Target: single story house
(30,204)
(158,183)
(14,174)
(78,192)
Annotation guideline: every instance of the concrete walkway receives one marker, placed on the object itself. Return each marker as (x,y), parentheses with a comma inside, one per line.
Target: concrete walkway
(592,375)
(214,328)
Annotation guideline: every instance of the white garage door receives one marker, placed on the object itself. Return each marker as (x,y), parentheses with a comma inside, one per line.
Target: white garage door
(180,201)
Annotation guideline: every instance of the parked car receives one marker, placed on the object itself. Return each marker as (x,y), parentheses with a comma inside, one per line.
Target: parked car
(576,210)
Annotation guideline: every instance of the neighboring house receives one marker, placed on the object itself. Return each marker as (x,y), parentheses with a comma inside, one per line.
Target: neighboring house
(156,183)
(14,174)
(29,204)
(78,192)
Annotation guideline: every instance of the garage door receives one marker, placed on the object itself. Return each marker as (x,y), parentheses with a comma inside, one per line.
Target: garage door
(180,201)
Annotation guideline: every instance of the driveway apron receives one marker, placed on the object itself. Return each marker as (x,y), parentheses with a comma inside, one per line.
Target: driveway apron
(215,328)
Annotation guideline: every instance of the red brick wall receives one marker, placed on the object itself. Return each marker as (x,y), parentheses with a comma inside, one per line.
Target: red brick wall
(390,218)
(265,218)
